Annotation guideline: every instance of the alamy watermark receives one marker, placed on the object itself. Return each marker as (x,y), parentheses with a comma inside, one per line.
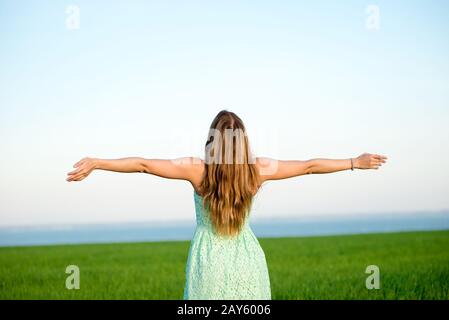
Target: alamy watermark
(373,280)
(372,21)
(228,147)
(73,17)
(73,280)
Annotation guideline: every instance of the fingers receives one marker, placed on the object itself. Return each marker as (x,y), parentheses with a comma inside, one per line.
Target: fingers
(79,173)
(79,162)
(379,157)
(81,177)
(77,177)
(376,164)
(377,160)
(72,177)
(74,172)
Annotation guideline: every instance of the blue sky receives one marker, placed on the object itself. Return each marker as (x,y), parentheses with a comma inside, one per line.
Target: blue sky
(145,78)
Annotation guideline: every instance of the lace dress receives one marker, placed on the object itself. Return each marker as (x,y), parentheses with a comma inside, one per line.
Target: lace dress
(224,268)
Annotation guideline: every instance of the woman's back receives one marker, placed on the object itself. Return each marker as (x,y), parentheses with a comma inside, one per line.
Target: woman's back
(224,267)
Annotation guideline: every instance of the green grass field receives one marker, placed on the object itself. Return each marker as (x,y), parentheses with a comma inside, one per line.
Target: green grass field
(413,265)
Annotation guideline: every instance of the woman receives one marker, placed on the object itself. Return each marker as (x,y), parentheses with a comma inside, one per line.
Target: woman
(225,259)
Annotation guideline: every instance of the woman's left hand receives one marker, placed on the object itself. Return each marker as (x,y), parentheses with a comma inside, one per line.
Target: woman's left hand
(369,161)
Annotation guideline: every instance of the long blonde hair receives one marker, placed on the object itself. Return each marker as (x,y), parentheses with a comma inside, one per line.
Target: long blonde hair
(230,178)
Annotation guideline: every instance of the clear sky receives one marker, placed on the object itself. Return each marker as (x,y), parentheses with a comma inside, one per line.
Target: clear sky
(145,78)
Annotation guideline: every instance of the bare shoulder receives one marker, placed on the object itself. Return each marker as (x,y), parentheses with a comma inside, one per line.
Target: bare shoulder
(194,167)
(266,167)
(263,162)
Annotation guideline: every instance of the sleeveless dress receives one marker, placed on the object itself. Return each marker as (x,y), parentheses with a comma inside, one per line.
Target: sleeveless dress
(224,268)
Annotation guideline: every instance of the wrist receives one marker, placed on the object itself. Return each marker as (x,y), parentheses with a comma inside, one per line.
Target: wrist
(96,163)
(355,162)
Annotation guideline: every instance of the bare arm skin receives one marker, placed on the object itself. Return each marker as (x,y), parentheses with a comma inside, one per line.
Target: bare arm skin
(187,168)
(272,169)
(191,169)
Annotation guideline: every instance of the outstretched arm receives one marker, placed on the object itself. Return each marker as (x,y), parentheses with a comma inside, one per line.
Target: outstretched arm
(271,169)
(182,168)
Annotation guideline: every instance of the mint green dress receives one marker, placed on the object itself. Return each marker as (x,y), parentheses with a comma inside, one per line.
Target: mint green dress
(224,268)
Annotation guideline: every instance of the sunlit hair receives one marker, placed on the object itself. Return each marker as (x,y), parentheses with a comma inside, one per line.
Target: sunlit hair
(231,178)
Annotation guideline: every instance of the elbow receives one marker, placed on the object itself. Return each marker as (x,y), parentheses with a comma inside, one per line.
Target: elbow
(142,166)
(309,167)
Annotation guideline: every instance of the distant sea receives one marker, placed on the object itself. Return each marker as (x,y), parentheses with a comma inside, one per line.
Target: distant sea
(282,227)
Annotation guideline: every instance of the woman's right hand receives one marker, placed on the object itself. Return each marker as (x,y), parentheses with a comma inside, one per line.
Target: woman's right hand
(83,168)
(369,161)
